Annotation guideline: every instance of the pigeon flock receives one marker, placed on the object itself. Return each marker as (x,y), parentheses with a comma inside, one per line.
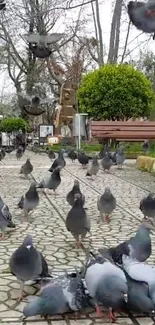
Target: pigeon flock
(112,279)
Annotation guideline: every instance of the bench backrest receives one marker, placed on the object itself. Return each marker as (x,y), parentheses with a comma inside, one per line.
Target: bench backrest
(123,129)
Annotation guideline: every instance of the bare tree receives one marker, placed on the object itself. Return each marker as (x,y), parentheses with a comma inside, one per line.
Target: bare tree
(115,32)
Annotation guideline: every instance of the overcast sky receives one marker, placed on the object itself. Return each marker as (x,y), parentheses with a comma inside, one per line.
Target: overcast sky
(135,41)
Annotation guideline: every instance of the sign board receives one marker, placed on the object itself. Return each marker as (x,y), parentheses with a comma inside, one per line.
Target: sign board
(53,140)
(45,131)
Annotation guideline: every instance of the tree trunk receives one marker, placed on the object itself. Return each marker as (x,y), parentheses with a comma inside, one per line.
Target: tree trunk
(115,32)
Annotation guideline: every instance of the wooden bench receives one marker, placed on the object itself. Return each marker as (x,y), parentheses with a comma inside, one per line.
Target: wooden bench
(123,130)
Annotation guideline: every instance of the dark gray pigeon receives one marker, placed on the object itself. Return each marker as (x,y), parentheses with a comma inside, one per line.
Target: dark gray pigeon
(147,206)
(146,146)
(71,195)
(106,204)
(19,152)
(83,159)
(93,168)
(120,157)
(142,15)
(63,294)
(26,168)
(138,247)
(72,155)
(27,263)
(30,200)
(59,162)
(77,221)
(139,300)
(107,285)
(106,162)
(51,154)
(5,218)
(52,182)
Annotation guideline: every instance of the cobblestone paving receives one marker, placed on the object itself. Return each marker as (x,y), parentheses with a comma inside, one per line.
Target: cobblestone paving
(50,235)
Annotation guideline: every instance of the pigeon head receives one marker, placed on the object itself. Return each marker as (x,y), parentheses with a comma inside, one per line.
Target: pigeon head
(28,160)
(107,190)
(76,182)
(28,241)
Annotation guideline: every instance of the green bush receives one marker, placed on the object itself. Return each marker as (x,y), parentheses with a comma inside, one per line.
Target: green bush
(116,92)
(13,124)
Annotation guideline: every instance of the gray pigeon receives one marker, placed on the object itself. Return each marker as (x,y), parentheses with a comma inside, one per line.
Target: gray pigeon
(139,300)
(63,294)
(106,204)
(19,152)
(27,263)
(147,206)
(52,182)
(107,285)
(71,195)
(5,218)
(120,157)
(30,200)
(59,162)
(93,168)
(83,159)
(146,146)
(142,15)
(72,155)
(138,247)
(106,162)
(26,168)
(141,272)
(51,154)
(77,221)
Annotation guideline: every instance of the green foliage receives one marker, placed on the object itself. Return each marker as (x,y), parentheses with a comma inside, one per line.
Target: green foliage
(116,92)
(13,124)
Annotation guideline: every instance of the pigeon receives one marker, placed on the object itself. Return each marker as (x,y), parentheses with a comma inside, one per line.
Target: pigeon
(83,159)
(19,152)
(147,206)
(30,200)
(26,168)
(77,221)
(120,157)
(59,162)
(27,263)
(106,162)
(63,294)
(142,15)
(5,218)
(52,182)
(93,168)
(72,155)
(146,146)
(138,247)
(107,285)
(71,195)
(139,271)
(51,154)
(139,300)
(106,204)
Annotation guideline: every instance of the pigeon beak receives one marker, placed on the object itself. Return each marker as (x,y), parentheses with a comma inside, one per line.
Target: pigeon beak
(125,297)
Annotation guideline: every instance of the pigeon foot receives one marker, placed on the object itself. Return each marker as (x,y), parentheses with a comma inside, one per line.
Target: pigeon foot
(111,316)
(107,218)
(98,312)
(22,295)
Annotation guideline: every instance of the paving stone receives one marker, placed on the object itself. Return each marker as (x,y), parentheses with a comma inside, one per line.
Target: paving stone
(50,234)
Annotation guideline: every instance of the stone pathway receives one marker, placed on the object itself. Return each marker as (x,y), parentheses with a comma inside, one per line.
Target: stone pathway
(50,235)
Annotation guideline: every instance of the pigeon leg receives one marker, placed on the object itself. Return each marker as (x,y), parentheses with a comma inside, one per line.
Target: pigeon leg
(2,235)
(22,294)
(111,316)
(98,311)
(25,213)
(107,218)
